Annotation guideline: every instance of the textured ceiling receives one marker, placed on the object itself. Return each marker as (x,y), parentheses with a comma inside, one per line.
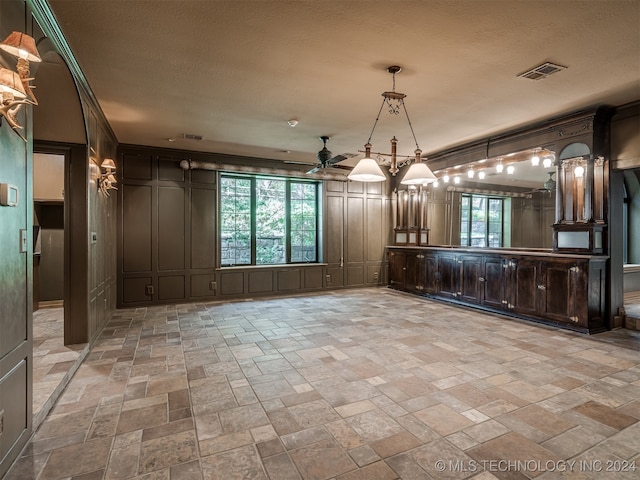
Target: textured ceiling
(234,71)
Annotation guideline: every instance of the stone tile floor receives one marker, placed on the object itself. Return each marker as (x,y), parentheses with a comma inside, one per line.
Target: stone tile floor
(53,363)
(354,384)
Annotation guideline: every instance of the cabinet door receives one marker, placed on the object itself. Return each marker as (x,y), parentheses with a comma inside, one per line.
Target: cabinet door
(470,268)
(397,269)
(413,272)
(448,276)
(431,274)
(559,285)
(525,289)
(493,282)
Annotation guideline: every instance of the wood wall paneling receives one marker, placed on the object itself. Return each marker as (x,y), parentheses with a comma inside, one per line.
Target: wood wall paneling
(203,232)
(136,228)
(203,176)
(334,239)
(171,228)
(312,278)
(134,290)
(169,170)
(261,281)
(171,287)
(14,388)
(200,285)
(136,167)
(231,283)
(289,279)
(354,241)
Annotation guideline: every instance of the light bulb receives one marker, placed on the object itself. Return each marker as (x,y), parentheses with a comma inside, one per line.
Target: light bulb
(445,179)
(546,163)
(578,171)
(535,160)
(436,184)
(470,173)
(499,168)
(456,179)
(481,175)
(510,169)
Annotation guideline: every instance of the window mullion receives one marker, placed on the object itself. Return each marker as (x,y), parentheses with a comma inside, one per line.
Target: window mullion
(287,216)
(253,222)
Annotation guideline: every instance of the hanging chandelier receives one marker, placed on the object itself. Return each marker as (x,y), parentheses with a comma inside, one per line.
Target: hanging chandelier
(368,169)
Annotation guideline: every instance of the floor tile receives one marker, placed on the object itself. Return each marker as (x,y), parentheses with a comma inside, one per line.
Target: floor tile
(332,386)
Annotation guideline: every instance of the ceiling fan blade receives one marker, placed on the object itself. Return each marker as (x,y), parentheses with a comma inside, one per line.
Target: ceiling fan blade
(339,158)
(313,170)
(343,167)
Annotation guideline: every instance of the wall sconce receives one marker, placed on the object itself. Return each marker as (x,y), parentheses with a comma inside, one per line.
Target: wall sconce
(107,180)
(578,171)
(15,90)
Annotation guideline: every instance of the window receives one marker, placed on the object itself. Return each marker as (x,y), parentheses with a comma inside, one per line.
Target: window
(268,221)
(481,221)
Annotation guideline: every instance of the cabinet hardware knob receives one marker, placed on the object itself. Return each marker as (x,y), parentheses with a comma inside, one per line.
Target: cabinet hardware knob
(541,287)
(404,268)
(481,279)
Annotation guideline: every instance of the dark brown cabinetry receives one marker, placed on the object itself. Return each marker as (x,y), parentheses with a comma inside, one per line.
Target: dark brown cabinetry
(559,289)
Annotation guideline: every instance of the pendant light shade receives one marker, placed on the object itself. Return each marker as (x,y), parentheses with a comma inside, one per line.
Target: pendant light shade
(367,170)
(418,174)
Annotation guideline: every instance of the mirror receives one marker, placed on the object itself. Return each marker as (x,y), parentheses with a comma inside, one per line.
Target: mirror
(506,202)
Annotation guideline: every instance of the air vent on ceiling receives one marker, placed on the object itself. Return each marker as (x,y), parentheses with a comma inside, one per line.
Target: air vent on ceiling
(542,71)
(189,136)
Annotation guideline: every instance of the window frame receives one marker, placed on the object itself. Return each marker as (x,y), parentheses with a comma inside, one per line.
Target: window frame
(288,182)
(468,221)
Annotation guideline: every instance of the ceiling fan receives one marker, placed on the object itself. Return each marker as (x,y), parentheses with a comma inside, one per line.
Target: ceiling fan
(548,186)
(326,159)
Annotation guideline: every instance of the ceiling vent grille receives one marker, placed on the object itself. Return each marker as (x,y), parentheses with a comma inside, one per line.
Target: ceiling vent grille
(189,136)
(542,71)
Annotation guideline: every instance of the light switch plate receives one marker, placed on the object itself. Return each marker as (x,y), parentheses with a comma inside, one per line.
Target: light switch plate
(23,240)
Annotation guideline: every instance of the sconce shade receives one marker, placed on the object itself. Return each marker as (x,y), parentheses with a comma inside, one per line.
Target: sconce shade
(418,174)
(579,171)
(367,170)
(10,82)
(109,164)
(22,46)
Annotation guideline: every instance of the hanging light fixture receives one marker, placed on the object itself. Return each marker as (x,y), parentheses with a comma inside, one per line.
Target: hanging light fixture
(499,166)
(368,170)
